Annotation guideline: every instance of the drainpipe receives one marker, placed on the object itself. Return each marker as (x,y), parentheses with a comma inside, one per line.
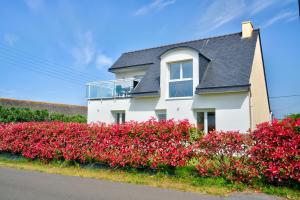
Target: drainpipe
(250,109)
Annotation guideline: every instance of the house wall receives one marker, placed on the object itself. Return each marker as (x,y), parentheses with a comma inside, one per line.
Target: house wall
(259,97)
(140,109)
(232,109)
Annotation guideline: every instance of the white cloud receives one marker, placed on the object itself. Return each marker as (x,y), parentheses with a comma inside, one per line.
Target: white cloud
(155,5)
(292,18)
(287,16)
(10,39)
(103,61)
(220,13)
(258,6)
(34,5)
(83,52)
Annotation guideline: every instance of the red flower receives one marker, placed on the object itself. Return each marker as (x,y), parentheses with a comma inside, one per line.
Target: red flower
(277,149)
(149,143)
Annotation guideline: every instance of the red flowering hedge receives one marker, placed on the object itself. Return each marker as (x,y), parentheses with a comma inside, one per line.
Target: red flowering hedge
(225,154)
(277,149)
(273,150)
(132,144)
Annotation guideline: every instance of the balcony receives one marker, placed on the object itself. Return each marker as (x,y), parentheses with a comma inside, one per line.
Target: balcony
(120,88)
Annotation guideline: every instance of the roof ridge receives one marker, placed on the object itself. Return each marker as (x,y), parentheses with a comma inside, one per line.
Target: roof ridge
(184,42)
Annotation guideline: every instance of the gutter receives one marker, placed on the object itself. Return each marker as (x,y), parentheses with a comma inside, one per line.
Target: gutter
(128,66)
(232,88)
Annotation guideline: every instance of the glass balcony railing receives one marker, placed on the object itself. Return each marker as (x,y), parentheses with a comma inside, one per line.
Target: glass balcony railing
(120,88)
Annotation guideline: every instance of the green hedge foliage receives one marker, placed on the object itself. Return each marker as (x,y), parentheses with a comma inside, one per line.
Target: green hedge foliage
(12,114)
(294,116)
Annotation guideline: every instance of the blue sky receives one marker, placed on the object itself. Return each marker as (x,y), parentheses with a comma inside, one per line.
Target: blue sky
(50,49)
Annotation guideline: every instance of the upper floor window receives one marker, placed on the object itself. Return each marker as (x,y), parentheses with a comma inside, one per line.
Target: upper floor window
(181,79)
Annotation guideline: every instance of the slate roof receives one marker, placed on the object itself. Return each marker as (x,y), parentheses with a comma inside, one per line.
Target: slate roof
(224,62)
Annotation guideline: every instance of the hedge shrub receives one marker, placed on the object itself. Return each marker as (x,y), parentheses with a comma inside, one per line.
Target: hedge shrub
(147,144)
(12,114)
(294,116)
(271,152)
(225,154)
(277,149)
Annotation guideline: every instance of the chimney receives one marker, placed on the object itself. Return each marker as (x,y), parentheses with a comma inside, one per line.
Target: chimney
(247,29)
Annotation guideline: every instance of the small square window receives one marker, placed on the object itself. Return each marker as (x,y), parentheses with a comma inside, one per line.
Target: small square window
(161,115)
(119,117)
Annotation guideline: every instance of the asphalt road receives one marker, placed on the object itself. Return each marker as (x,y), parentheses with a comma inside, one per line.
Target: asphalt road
(29,185)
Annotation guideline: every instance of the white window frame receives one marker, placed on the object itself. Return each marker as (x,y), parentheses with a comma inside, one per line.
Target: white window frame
(206,111)
(180,77)
(115,114)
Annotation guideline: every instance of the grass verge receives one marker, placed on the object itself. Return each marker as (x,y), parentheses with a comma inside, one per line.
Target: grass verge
(183,179)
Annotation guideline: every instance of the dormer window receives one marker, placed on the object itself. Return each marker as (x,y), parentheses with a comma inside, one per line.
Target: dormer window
(181,79)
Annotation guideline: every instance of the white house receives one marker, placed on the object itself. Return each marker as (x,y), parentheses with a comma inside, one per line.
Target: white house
(216,83)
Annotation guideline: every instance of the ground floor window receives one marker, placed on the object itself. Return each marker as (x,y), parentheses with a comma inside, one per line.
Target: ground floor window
(119,117)
(206,121)
(211,121)
(161,115)
(200,121)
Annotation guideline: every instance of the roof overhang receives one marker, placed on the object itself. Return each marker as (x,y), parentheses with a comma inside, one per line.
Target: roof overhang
(222,89)
(130,68)
(146,94)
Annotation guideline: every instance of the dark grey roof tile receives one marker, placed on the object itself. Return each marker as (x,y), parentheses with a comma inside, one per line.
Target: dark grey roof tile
(228,61)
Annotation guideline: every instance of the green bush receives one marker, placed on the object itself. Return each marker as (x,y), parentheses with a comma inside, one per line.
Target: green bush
(294,116)
(195,134)
(65,118)
(12,114)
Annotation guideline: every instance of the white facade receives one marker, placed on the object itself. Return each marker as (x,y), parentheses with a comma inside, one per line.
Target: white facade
(232,111)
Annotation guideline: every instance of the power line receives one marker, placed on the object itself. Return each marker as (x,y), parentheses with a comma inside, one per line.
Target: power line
(66,73)
(16,65)
(285,96)
(29,63)
(285,107)
(47,62)
(50,66)
(32,67)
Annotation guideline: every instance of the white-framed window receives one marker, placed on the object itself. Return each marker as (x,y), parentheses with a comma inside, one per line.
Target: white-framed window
(161,115)
(119,117)
(206,120)
(181,79)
